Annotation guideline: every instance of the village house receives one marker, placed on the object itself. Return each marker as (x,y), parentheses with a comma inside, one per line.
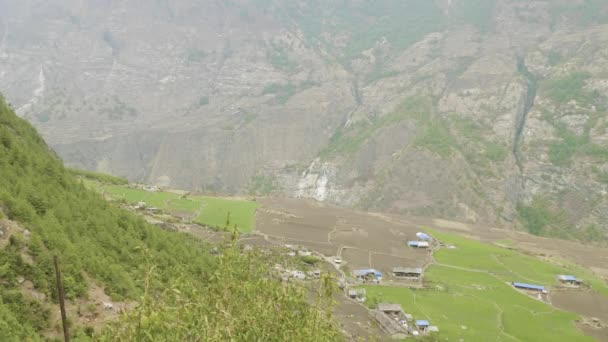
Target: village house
(569,279)
(391,309)
(418,244)
(529,287)
(367,274)
(422,325)
(391,327)
(407,272)
(423,236)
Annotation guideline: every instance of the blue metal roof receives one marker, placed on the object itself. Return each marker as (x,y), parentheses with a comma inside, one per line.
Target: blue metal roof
(422,323)
(529,286)
(423,236)
(412,243)
(567,277)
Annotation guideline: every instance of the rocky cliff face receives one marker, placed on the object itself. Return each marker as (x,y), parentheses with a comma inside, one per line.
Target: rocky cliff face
(491,111)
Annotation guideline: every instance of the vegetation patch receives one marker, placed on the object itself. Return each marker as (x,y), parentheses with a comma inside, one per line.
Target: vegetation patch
(562,152)
(571,87)
(542,218)
(279,58)
(220,212)
(184,292)
(379,73)
(262,185)
(207,210)
(346,141)
(100,177)
(437,138)
(283,92)
(234,306)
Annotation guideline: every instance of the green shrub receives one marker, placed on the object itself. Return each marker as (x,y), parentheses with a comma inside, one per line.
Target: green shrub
(117,250)
(310,259)
(437,138)
(96,176)
(541,218)
(234,306)
(562,90)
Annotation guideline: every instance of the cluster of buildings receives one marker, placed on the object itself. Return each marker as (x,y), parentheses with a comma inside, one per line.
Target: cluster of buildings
(540,290)
(287,274)
(368,275)
(399,325)
(423,241)
(571,280)
(297,250)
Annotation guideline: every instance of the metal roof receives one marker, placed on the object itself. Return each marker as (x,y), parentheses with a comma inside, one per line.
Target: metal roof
(422,323)
(389,307)
(529,286)
(387,324)
(416,270)
(418,243)
(423,236)
(367,271)
(567,277)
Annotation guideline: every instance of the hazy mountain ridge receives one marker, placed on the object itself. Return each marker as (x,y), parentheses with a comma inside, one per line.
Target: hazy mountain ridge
(324,100)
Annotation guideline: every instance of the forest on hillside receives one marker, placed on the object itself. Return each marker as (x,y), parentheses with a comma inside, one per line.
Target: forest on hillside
(182,291)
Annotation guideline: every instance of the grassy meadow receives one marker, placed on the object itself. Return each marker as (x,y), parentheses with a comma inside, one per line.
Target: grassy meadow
(470,297)
(208,210)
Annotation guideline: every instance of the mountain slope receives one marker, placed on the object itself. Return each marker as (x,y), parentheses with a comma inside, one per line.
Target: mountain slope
(324,99)
(44,211)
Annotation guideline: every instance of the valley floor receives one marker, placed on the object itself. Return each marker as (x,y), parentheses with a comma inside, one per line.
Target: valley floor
(464,290)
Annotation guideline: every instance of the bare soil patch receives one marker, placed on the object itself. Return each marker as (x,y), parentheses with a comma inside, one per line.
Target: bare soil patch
(599,334)
(328,229)
(356,258)
(584,302)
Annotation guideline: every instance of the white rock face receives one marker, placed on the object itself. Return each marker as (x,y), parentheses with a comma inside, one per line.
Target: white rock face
(315,181)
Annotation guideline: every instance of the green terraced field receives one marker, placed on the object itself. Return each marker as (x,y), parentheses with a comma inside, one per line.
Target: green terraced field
(208,210)
(470,297)
(215,210)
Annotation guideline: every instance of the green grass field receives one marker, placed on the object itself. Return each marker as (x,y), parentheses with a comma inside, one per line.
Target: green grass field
(470,297)
(209,210)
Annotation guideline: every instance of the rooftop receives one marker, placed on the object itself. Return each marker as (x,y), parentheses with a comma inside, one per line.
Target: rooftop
(389,307)
(422,323)
(366,271)
(387,324)
(398,269)
(423,236)
(567,277)
(418,243)
(529,286)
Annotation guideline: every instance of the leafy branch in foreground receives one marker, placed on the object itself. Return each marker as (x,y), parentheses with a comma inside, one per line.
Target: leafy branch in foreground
(241,301)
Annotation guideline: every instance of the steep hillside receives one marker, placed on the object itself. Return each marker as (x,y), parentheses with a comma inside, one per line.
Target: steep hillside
(489,111)
(109,254)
